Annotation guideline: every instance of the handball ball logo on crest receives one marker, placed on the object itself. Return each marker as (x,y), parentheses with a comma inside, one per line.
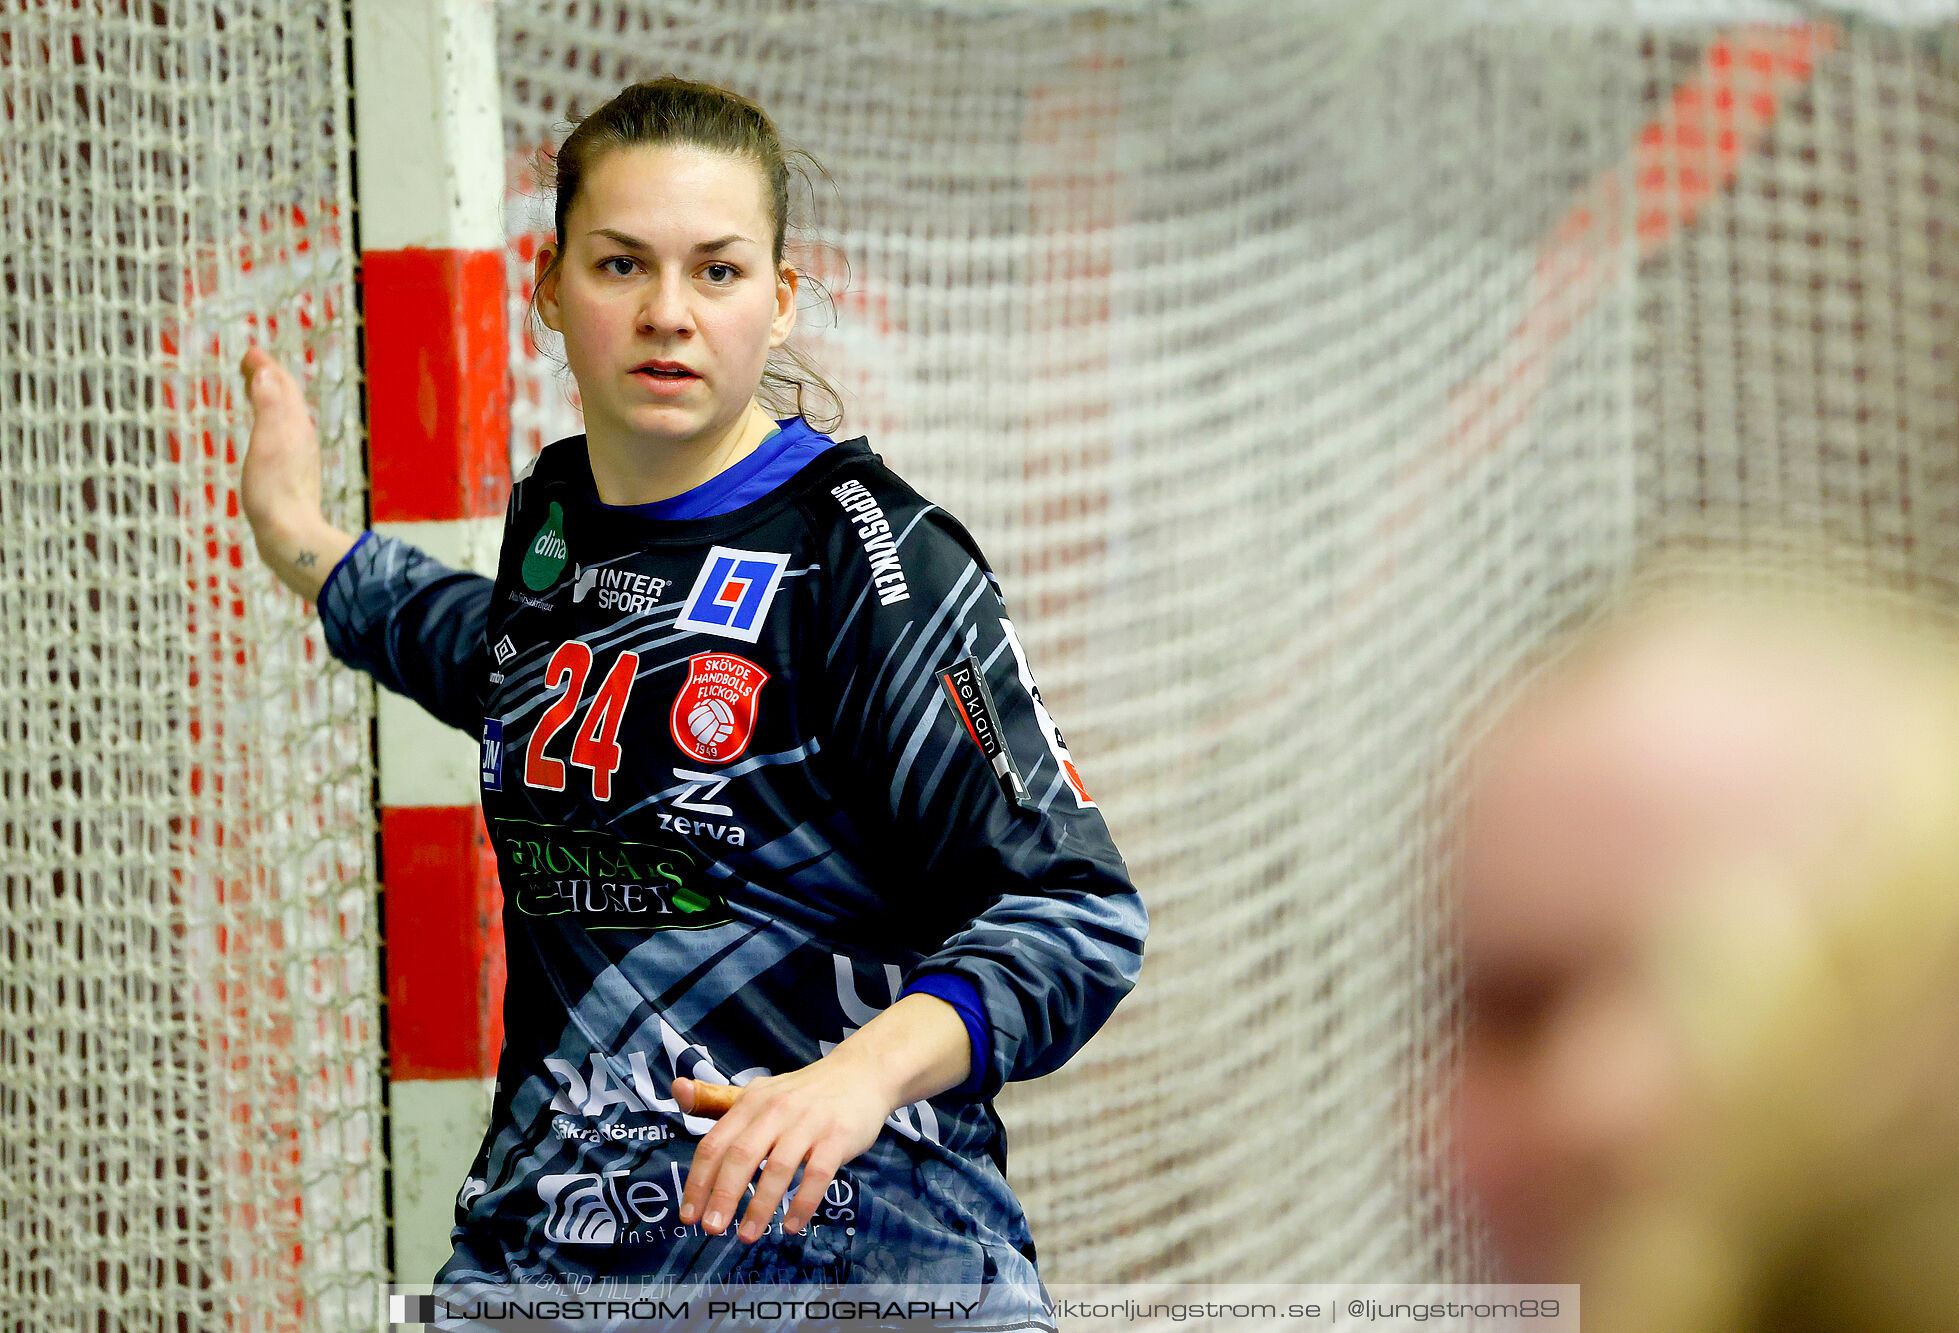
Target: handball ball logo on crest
(714,713)
(712,722)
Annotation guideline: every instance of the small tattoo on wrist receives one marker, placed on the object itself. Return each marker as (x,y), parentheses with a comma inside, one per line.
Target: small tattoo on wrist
(306,560)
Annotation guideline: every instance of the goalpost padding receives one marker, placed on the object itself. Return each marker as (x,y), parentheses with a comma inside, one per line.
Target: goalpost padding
(438,430)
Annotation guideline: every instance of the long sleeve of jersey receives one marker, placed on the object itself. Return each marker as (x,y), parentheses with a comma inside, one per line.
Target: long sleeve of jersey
(413,624)
(989,822)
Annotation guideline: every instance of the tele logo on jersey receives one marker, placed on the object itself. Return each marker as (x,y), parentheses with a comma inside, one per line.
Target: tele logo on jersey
(732,595)
(714,713)
(618,1207)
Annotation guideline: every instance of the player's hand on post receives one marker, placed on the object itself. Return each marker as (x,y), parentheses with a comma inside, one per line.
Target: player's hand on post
(279,483)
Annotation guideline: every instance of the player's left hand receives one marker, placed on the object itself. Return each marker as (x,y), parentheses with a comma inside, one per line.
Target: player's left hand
(817,1117)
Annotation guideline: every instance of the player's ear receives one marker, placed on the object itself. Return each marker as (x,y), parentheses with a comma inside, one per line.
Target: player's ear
(787,280)
(545,271)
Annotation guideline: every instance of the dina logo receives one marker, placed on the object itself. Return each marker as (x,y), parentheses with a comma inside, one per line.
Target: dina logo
(545,558)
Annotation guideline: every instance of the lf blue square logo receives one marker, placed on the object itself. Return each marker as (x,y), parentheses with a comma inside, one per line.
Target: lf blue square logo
(732,595)
(492,754)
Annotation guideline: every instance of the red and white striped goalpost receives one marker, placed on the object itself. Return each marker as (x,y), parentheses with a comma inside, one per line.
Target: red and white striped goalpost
(430,186)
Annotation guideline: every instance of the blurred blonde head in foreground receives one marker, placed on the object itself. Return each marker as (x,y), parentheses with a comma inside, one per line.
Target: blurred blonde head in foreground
(1709,891)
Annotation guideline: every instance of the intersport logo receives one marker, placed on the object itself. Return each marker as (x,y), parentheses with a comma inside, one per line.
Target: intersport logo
(620,590)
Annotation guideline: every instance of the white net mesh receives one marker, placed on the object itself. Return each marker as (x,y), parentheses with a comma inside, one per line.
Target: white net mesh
(1795,363)
(1298,366)
(189,1012)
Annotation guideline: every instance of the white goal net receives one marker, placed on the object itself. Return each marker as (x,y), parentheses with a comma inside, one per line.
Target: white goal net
(1299,367)
(189,1010)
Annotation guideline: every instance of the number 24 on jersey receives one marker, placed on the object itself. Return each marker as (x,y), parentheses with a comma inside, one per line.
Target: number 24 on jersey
(594,744)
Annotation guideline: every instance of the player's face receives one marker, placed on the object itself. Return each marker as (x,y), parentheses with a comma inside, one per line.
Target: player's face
(1566,1064)
(1600,812)
(668,297)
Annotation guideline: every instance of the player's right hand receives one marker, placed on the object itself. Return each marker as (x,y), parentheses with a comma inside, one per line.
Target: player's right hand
(279,486)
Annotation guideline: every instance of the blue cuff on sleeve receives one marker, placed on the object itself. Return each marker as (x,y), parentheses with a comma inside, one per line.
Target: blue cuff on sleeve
(339,564)
(962,995)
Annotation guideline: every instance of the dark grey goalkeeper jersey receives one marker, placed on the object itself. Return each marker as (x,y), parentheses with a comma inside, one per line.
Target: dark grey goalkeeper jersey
(747,777)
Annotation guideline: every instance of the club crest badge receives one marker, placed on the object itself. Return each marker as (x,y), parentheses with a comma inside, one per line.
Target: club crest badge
(714,713)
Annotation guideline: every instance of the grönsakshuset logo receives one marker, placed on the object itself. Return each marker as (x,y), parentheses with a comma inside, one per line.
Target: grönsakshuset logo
(607,882)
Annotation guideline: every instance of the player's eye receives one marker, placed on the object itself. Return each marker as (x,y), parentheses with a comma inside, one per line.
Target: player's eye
(631,264)
(1509,1009)
(720,274)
